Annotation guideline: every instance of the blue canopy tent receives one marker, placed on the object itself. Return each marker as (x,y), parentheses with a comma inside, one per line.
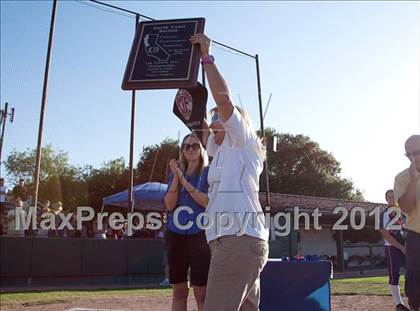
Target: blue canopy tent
(148,196)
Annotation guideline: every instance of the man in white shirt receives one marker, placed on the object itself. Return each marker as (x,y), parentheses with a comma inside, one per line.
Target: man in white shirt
(237,256)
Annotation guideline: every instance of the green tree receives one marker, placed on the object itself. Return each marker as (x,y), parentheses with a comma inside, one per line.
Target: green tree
(300,166)
(71,191)
(154,159)
(59,181)
(21,164)
(113,176)
(110,178)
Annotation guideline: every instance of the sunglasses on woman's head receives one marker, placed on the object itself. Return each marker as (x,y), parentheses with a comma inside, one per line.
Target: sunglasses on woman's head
(194,146)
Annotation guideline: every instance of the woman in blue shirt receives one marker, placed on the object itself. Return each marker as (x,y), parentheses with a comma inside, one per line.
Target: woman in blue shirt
(186,243)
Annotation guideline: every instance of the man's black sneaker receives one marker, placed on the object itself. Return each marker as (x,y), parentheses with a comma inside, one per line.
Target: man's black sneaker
(401,307)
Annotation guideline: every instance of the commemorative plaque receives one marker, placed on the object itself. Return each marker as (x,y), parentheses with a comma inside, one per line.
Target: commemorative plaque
(162,56)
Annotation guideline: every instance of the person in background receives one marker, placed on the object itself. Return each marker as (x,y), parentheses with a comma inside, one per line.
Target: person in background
(75,233)
(89,230)
(165,281)
(43,233)
(28,203)
(124,233)
(407,194)
(16,229)
(3,192)
(3,213)
(394,248)
(26,207)
(112,234)
(137,233)
(116,234)
(41,209)
(109,231)
(59,210)
(99,233)
(20,191)
(45,206)
(56,208)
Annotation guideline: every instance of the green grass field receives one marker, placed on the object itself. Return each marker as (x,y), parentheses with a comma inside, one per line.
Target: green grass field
(355,286)
(363,286)
(63,296)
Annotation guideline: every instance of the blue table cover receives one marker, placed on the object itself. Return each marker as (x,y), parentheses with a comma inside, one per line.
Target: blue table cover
(296,286)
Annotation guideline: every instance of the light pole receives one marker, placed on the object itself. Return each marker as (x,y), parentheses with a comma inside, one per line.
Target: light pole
(43,103)
(3,120)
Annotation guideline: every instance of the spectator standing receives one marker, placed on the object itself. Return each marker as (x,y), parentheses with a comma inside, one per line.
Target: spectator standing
(43,233)
(99,233)
(20,191)
(165,281)
(3,192)
(394,241)
(74,233)
(3,213)
(58,209)
(137,233)
(407,194)
(14,228)
(45,207)
(89,231)
(26,207)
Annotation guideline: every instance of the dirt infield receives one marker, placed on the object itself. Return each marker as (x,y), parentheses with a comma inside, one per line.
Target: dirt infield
(162,303)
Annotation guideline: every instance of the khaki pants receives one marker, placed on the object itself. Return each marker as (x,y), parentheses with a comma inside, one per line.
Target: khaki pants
(234,277)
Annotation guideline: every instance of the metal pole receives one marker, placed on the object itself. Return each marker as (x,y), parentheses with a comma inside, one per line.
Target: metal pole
(3,128)
(203,80)
(44,100)
(267,192)
(203,76)
(340,250)
(133,121)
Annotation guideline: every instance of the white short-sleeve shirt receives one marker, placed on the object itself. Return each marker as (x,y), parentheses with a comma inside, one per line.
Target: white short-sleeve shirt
(386,218)
(234,182)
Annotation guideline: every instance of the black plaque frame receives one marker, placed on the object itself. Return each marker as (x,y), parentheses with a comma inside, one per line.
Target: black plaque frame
(188,79)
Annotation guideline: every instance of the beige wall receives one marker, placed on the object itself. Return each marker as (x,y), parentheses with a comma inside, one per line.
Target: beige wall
(317,242)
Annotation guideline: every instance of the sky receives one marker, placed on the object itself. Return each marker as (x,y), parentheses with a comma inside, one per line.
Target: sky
(346,74)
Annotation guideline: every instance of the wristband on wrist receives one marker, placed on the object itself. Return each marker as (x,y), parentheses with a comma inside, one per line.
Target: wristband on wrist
(207,60)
